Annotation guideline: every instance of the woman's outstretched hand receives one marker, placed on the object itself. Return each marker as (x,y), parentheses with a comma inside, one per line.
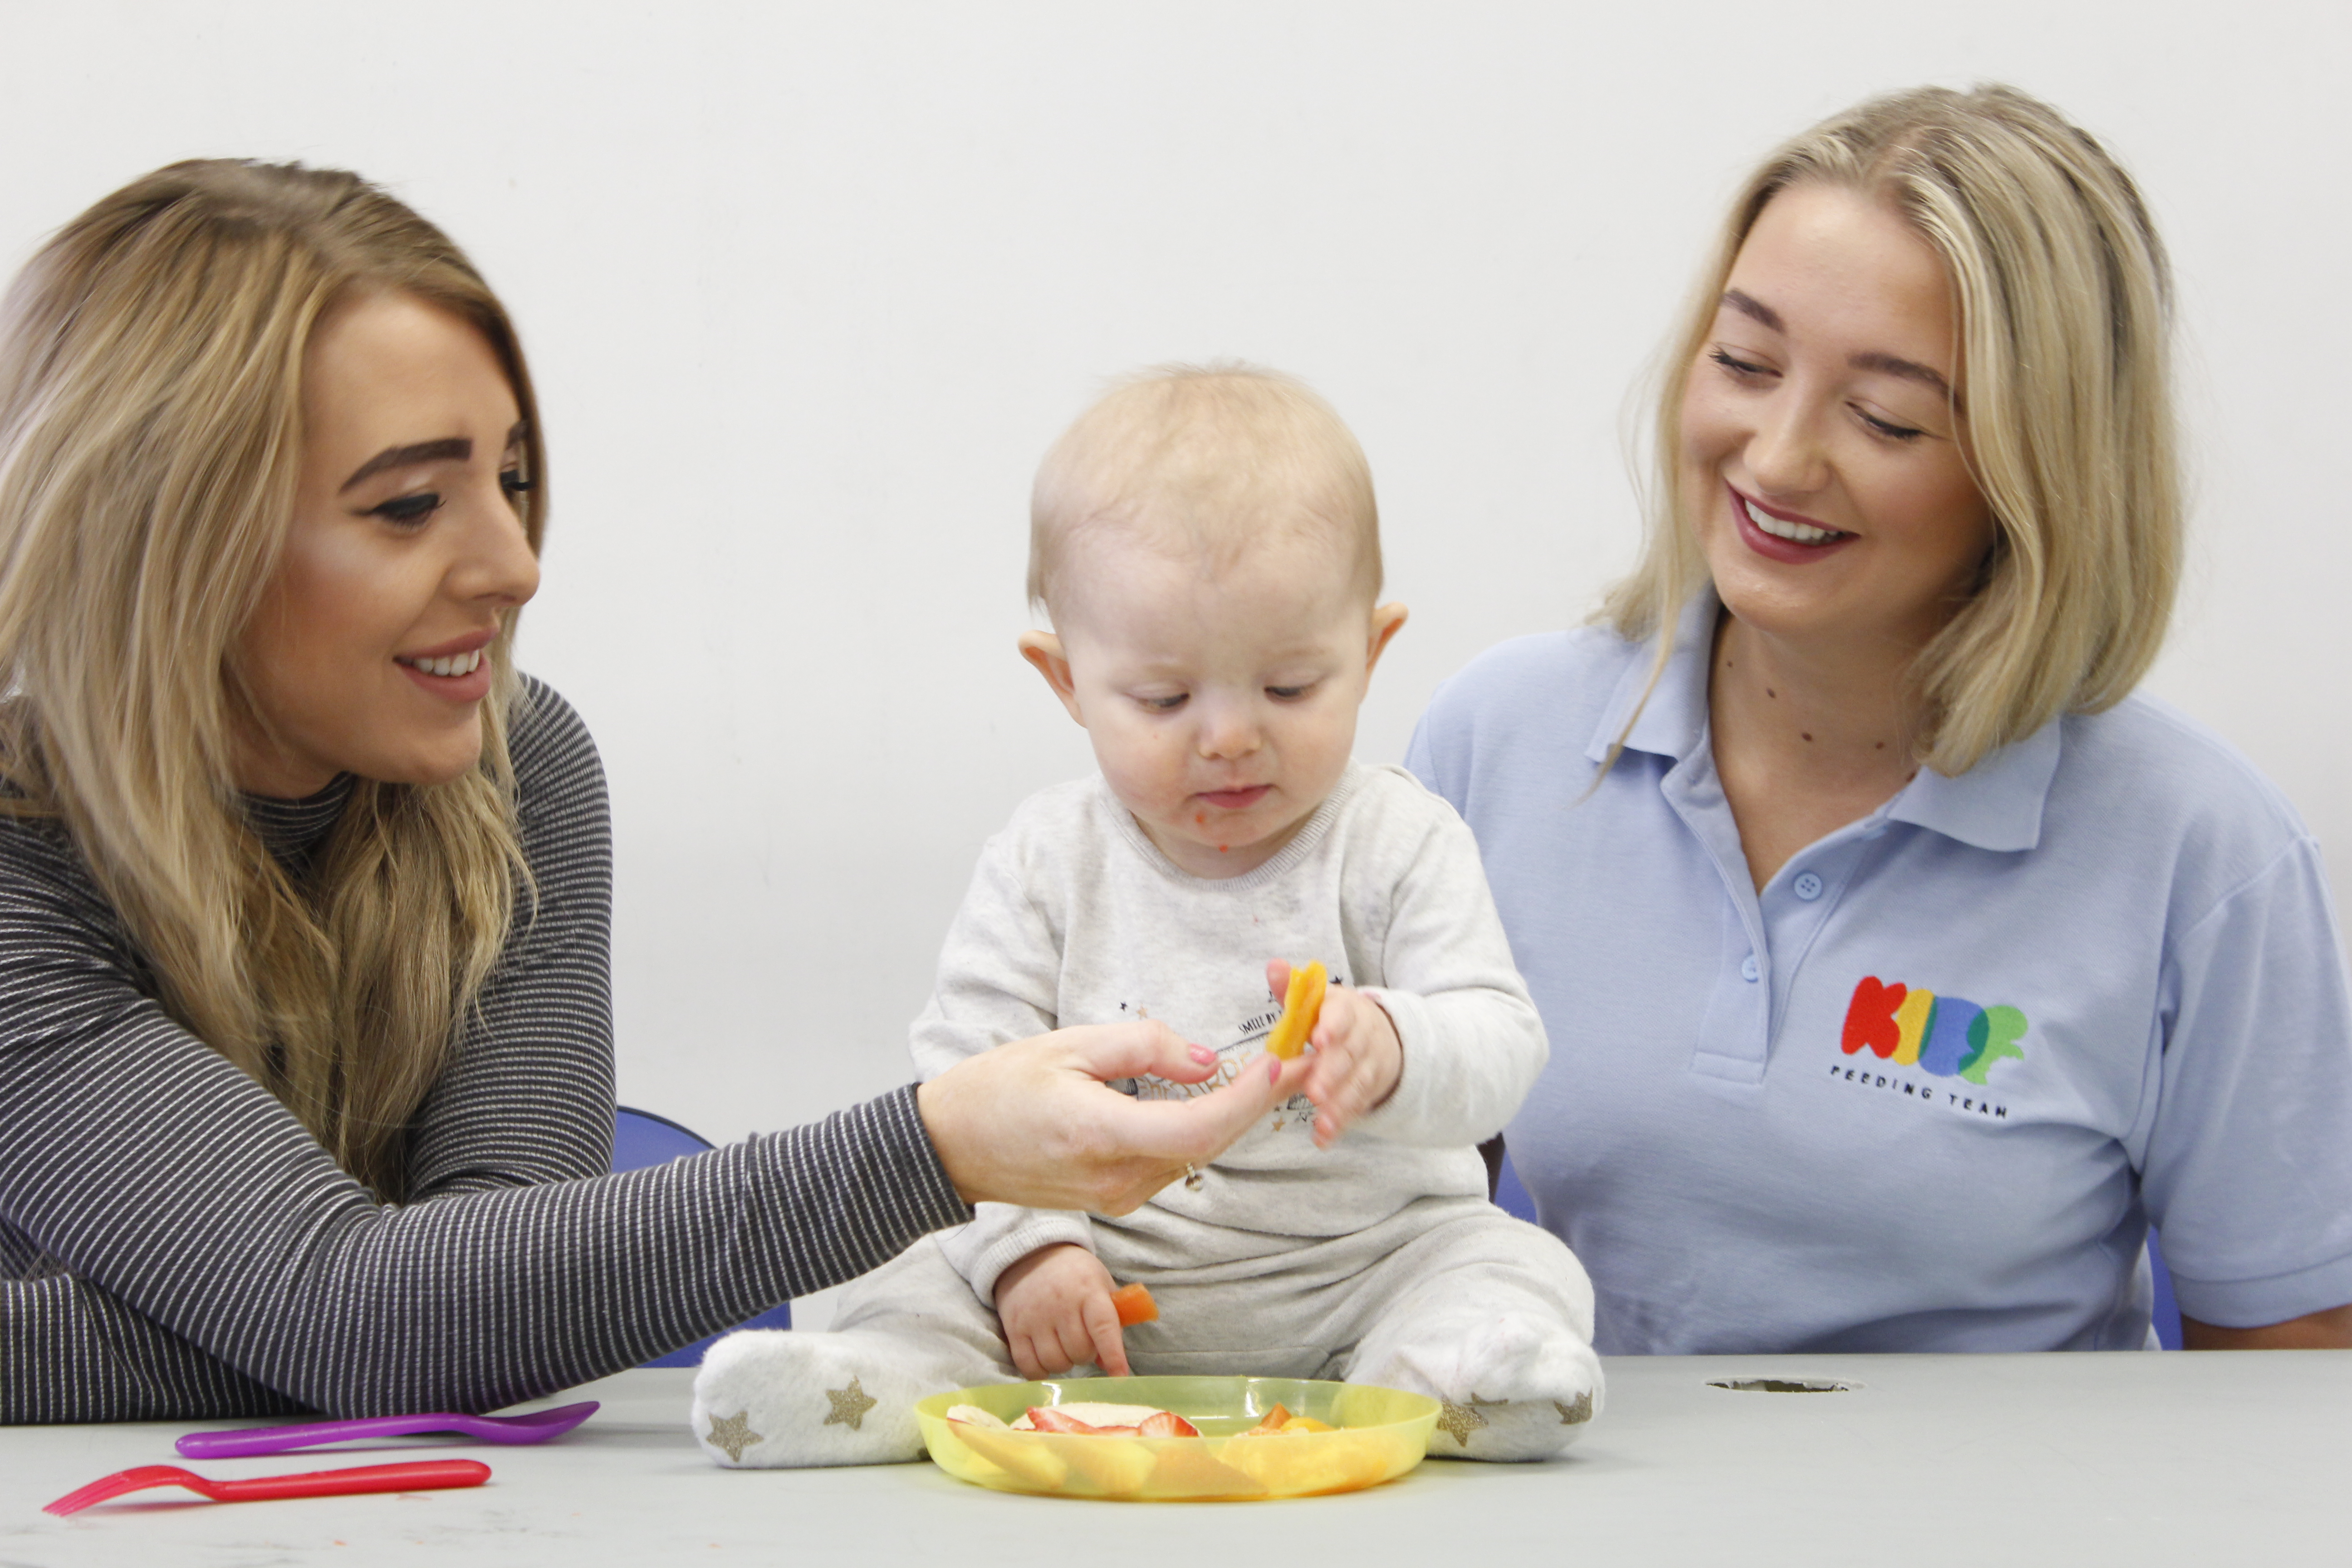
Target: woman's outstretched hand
(1034,1123)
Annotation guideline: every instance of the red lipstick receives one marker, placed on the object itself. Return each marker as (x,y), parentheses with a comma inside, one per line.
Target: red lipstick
(1795,553)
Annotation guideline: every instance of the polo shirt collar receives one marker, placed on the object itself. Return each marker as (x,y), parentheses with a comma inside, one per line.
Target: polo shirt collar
(1673,722)
(1996,805)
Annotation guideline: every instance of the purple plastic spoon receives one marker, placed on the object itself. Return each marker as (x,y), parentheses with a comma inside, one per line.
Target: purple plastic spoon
(535,1428)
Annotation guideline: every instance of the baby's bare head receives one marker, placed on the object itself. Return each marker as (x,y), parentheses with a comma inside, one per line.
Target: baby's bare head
(1202,463)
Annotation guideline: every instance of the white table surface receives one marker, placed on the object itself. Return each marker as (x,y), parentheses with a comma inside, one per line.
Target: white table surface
(2130,1458)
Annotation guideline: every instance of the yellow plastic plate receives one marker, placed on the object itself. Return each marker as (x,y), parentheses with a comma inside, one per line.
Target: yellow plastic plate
(1382,1433)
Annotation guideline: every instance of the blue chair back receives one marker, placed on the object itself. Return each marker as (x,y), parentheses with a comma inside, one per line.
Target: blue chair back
(2167,1311)
(1511,1196)
(640,1138)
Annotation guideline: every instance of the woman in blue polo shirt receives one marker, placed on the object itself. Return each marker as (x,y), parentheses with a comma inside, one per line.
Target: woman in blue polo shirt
(1901,968)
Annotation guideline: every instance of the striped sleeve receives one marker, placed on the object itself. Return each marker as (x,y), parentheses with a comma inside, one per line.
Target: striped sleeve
(173,1245)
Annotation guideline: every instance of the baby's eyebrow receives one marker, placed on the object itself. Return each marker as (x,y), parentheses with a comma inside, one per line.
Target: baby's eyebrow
(459,448)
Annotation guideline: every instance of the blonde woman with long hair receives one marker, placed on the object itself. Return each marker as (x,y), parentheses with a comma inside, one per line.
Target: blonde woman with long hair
(305,1041)
(1902,969)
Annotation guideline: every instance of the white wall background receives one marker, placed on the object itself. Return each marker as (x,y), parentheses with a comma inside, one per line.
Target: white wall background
(809,288)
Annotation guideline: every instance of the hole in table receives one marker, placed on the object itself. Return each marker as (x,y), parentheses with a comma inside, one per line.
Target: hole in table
(1781,1384)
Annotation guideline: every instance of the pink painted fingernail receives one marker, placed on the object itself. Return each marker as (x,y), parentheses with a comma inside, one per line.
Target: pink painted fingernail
(1202,1055)
(1274,1069)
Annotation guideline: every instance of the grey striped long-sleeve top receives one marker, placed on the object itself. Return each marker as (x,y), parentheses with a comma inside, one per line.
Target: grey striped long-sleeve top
(173,1244)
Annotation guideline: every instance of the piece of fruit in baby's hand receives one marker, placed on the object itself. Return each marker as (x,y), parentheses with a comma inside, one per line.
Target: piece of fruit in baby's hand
(1300,1006)
(1134,1305)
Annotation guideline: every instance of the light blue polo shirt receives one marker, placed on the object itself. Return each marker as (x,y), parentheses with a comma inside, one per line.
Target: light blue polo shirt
(1927,1090)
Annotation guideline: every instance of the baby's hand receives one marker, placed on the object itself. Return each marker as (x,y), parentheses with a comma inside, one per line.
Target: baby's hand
(1358,1056)
(1057,1313)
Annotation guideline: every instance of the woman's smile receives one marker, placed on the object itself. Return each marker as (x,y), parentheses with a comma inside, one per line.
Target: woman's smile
(1782,536)
(458,670)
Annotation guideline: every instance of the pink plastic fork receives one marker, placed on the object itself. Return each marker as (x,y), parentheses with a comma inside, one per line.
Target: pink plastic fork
(418,1476)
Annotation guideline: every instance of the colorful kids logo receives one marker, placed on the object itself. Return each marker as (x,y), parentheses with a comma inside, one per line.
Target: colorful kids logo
(1945,1036)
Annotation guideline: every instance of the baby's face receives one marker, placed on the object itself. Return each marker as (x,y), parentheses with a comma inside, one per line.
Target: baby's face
(1222,707)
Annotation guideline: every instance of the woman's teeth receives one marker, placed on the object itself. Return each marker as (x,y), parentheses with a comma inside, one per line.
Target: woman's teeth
(1799,532)
(456,663)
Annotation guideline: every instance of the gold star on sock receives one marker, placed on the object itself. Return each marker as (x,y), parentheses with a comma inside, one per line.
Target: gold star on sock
(849,1406)
(734,1435)
(1575,1414)
(1458,1421)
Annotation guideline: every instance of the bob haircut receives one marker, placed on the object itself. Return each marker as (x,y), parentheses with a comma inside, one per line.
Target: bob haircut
(151,442)
(1204,462)
(2063,295)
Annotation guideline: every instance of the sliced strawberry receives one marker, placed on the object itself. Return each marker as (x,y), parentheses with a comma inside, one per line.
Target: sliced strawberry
(1045,1418)
(1168,1424)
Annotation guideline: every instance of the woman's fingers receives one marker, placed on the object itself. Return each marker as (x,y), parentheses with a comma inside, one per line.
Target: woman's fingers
(1031,1123)
(1145,1048)
(1172,1137)
(1196,1131)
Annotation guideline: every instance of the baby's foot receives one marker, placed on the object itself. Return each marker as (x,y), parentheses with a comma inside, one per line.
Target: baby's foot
(1502,1429)
(773,1398)
(1510,1388)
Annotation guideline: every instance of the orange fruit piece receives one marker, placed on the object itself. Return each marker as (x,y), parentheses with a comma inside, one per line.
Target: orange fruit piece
(1300,1008)
(1134,1305)
(1274,1422)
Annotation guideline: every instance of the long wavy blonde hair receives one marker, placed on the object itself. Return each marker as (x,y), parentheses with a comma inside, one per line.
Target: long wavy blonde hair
(2063,296)
(150,439)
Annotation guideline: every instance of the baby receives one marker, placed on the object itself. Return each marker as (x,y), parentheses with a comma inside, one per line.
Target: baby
(1206,546)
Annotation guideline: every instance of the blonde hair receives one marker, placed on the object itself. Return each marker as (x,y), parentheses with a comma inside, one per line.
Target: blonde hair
(2064,319)
(1204,460)
(151,439)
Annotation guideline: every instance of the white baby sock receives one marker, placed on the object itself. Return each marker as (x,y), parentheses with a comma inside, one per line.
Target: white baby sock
(1513,1386)
(779,1398)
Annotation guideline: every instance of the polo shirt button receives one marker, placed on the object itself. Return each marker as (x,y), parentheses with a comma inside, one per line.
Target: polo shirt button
(1747,970)
(1808,886)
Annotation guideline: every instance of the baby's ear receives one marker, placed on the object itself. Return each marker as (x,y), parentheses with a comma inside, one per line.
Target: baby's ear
(1044,650)
(1387,621)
